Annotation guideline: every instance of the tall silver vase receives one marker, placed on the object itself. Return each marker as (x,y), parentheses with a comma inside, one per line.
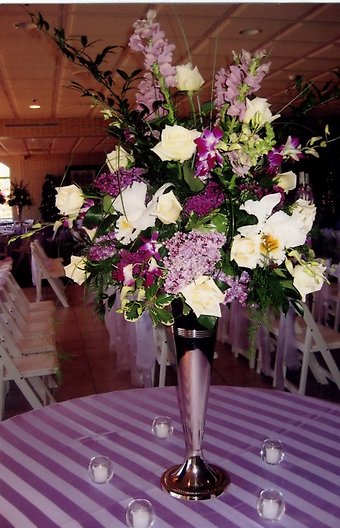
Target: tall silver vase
(194,479)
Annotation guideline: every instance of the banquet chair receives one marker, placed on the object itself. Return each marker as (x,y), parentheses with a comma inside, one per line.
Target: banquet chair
(314,343)
(17,296)
(28,373)
(165,351)
(51,269)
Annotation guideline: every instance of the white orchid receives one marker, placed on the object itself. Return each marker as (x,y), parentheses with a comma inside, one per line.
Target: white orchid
(276,232)
(136,216)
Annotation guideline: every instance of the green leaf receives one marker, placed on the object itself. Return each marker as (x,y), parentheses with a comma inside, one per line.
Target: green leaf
(133,312)
(164,300)
(159,315)
(208,321)
(107,204)
(193,182)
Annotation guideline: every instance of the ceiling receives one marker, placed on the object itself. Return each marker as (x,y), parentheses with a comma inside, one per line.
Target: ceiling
(301,38)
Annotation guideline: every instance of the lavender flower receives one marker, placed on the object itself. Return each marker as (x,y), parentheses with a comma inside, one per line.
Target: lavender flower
(238,287)
(114,182)
(103,248)
(205,202)
(189,256)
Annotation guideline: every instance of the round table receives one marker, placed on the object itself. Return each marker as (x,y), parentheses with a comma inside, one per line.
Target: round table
(45,453)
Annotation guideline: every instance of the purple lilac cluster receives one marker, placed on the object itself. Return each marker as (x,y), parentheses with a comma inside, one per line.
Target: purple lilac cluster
(149,39)
(103,248)
(140,264)
(191,255)
(207,153)
(242,79)
(113,183)
(206,201)
(238,288)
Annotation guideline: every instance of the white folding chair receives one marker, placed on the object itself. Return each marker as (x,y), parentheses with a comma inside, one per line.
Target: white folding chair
(315,343)
(47,268)
(28,373)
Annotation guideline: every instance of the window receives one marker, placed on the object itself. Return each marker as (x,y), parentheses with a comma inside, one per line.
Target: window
(5,188)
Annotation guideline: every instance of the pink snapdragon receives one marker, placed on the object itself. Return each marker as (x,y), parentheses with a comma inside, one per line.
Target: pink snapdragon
(242,79)
(149,39)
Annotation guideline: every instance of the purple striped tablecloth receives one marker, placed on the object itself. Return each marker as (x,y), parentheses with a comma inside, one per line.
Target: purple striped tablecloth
(45,453)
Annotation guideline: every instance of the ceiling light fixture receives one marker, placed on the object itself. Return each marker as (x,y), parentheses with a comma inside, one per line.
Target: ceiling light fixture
(35,105)
(25,25)
(250,32)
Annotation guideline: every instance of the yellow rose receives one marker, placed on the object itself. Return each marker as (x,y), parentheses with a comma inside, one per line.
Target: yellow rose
(168,208)
(188,78)
(246,251)
(69,200)
(177,143)
(204,297)
(76,269)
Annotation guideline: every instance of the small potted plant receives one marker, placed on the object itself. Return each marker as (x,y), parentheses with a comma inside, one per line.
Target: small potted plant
(19,198)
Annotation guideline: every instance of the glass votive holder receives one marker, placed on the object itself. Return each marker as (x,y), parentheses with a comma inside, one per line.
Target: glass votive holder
(140,514)
(270,505)
(272,451)
(162,427)
(100,469)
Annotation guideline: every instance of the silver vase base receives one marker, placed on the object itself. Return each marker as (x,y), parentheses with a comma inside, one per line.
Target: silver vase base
(195,480)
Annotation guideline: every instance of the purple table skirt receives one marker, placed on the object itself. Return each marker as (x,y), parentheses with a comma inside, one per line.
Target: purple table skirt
(45,453)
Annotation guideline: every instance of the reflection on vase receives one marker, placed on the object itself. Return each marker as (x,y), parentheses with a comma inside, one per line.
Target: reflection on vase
(194,479)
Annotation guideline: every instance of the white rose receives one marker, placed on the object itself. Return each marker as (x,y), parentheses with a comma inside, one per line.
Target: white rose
(177,143)
(69,200)
(308,278)
(286,180)
(76,269)
(305,212)
(118,158)
(203,296)
(168,208)
(258,112)
(246,251)
(188,78)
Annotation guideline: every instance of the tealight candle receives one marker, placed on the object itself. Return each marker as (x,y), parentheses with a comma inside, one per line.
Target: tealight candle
(272,451)
(270,505)
(100,474)
(273,455)
(140,514)
(100,469)
(162,427)
(140,518)
(270,509)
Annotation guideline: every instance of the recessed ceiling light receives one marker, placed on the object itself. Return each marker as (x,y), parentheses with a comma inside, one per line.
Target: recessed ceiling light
(25,25)
(35,105)
(250,32)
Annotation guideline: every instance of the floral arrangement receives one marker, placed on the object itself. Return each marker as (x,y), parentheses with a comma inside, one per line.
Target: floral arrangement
(2,198)
(194,207)
(19,196)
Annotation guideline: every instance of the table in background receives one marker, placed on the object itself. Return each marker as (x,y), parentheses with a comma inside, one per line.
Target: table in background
(45,453)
